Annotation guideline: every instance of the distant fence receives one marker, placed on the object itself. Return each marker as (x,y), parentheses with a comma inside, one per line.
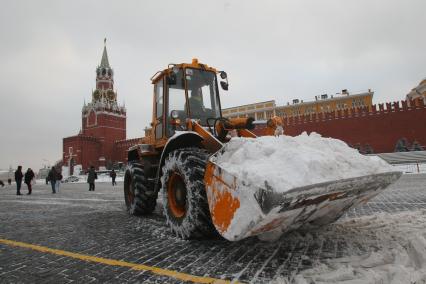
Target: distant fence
(412,157)
(408,162)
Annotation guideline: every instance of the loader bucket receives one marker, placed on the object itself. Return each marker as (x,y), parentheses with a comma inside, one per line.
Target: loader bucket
(239,210)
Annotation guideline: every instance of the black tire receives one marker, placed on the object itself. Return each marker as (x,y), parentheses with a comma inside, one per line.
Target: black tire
(139,195)
(189,164)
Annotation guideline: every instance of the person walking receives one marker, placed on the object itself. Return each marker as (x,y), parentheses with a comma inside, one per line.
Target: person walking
(113,175)
(52,177)
(28,178)
(58,181)
(18,179)
(91,176)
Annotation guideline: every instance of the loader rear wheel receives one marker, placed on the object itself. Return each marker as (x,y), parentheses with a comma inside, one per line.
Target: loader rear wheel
(184,195)
(139,195)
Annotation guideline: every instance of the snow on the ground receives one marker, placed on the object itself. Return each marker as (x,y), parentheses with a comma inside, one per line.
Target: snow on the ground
(395,253)
(286,162)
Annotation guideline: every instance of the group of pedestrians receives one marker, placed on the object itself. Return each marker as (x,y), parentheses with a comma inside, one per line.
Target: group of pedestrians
(92,176)
(54,177)
(28,178)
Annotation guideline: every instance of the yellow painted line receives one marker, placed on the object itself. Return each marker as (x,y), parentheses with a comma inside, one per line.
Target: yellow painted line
(113,262)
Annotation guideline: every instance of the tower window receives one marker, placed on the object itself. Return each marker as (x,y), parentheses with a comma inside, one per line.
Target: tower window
(103,71)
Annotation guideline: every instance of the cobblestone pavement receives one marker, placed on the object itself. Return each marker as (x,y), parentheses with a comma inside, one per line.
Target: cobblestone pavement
(96,224)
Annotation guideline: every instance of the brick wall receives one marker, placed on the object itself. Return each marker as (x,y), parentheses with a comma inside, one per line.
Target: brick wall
(121,147)
(85,150)
(107,128)
(381,127)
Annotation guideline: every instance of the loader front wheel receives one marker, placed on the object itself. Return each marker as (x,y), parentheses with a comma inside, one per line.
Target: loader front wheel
(139,195)
(184,195)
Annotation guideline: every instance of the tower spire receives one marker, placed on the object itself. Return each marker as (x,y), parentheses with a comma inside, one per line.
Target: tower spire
(104,60)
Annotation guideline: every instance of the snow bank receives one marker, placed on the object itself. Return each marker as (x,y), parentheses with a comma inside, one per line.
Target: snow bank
(286,162)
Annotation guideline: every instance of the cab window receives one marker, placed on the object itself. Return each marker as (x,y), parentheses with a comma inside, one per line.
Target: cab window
(202,94)
(159,102)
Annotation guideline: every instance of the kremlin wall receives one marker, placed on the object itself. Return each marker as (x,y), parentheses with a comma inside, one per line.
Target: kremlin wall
(386,127)
(375,130)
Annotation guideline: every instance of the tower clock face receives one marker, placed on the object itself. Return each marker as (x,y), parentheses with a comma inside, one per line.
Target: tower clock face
(111,96)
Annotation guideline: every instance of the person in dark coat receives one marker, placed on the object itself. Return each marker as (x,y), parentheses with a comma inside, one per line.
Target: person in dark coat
(28,178)
(1,183)
(91,176)
(9,181)
(18,179)
(113,175)
(52,177)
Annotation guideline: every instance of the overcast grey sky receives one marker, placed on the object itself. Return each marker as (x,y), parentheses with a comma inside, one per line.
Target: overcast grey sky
(270,49)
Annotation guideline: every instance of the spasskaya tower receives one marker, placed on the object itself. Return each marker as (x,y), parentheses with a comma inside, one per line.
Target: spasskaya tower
(103,123)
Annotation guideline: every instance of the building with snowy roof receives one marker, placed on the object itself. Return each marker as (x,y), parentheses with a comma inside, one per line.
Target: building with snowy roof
(418,92)
(322,104)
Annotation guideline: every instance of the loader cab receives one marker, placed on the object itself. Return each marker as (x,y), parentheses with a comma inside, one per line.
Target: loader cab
(184,92)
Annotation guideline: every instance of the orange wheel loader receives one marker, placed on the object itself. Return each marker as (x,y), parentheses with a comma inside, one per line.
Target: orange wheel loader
(200,198)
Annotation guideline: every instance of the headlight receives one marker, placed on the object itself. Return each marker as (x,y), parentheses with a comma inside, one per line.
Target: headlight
(174,114)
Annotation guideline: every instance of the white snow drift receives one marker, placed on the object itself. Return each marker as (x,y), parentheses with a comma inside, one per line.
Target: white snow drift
(287,162)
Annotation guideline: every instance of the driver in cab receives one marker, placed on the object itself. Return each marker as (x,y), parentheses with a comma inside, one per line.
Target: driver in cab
(196,105)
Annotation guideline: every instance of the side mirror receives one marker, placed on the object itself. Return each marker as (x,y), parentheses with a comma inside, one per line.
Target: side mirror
(171,79)
(223,75)
(224,85)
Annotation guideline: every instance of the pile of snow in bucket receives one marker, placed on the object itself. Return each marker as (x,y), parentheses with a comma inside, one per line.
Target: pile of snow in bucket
(287,162)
